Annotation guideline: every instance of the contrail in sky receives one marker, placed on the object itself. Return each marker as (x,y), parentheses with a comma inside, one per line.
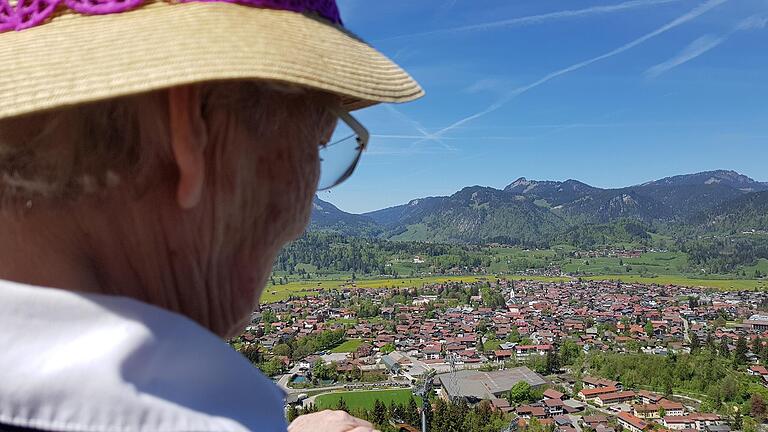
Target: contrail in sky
(704,44)
(536,19)
(699,10)
(416,125)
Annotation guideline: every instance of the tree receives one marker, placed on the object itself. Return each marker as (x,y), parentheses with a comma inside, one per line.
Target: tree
(412,412)
(694,342)
(272,367)
(757,407)
(379,413)
(386,349)
(292,413)
(342,405)
(740,353)
(569,352)
(553,362)
(282,350)
(693,302)
(252,352)
(757,346)
(520,392)
(648,328)
(439,416)
(662,412)
(724,350)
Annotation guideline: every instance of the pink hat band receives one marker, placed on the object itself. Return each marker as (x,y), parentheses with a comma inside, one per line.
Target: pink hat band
(31,13)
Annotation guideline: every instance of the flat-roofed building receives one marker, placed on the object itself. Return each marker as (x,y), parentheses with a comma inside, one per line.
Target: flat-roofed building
(478,385)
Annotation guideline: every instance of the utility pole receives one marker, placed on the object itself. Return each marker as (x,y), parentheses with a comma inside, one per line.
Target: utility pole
(424,390)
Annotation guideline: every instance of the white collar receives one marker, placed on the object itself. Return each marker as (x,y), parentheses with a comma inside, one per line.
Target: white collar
(97,363)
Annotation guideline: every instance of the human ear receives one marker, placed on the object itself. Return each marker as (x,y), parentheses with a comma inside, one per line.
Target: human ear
(188,137)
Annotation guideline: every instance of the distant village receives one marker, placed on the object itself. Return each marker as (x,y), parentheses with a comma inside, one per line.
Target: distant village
(479,342)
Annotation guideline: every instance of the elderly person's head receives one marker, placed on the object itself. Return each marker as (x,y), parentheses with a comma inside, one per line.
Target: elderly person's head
(180,197)
(162,152)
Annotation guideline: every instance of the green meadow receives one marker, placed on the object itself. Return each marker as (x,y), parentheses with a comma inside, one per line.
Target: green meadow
(365,399)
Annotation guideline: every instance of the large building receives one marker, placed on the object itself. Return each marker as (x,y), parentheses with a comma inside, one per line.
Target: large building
(477,385)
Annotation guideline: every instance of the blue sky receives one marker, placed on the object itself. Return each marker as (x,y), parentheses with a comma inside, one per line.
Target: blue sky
(608,92)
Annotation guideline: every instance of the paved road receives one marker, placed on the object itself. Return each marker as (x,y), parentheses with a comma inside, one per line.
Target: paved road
(687,335)
(285,379)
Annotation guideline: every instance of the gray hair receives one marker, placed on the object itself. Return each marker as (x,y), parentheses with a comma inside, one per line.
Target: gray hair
(87,149)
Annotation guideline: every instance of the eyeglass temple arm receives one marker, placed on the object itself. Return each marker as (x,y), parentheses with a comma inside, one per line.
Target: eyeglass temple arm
(362,133)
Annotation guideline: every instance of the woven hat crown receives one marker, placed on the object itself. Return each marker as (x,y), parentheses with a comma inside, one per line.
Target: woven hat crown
(23,14)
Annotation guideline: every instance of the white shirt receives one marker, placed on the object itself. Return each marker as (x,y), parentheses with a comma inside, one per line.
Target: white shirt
(86,362)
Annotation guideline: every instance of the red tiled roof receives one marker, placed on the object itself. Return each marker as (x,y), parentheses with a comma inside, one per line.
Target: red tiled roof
(597,391)
(632,420)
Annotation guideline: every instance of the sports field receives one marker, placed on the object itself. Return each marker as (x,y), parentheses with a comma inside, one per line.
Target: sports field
(365,399)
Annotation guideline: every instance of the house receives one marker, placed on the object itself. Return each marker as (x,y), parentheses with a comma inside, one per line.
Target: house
(501,405)
(592,383)
(589,394)
(502,355)
(632,423)
(554,406)
(647,397)
(433,351)
(593,421)
(758,370)
(654,411)
(614,398)
(707,420)
(679,422)
(530,411)
(554,394)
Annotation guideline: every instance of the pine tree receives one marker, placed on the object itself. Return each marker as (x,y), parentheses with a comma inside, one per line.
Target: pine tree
(342,405)
(439,416)
(379,413)
(292,413)
(412,412)
(757,346)
(553,362)
(740,354)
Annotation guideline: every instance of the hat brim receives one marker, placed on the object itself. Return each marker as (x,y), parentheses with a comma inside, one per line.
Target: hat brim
(75,58)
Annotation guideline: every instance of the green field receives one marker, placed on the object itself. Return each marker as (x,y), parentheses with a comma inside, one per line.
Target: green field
(275,293)
(653,267)
(364,399)
(349,345)
(720,284)
(654,263)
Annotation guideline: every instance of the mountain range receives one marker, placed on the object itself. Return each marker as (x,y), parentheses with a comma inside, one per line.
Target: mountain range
(535,212)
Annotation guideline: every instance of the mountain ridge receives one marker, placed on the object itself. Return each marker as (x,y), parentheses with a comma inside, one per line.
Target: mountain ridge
(536,211)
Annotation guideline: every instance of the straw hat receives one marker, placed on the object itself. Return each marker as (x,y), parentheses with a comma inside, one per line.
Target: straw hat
(62,52)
